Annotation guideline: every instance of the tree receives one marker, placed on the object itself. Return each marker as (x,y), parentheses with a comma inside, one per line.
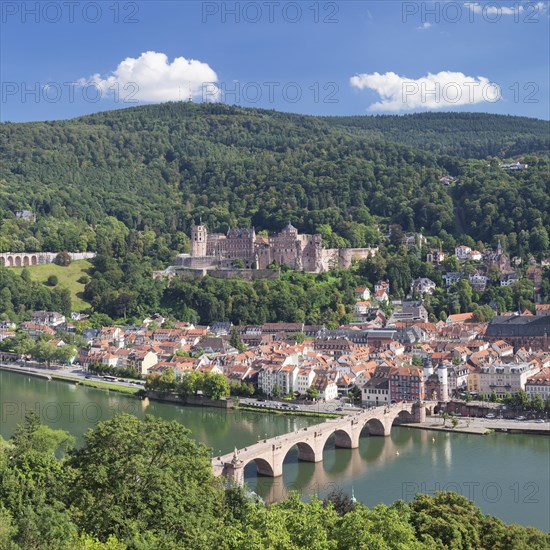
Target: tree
(312,393)
(537,403)
(32,486)
(447,518)
(396,235)
(191,383)
(355,394)
(276,391)
(238,263)
(167,382)
(235,341)
(380,527)
(341,502)
(135,476)
(63,258)
(216,386)
(522,399)
(483,314)
(52,280)
(298,337)
(26,275)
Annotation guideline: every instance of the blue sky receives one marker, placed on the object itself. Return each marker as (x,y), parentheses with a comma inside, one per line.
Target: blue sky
(324,58)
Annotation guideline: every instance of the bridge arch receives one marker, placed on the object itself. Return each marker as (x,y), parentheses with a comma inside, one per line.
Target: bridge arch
(26,260)
(263,466)
(306,452)
(34,259)
(10,261)
(343,439)
(403,417)
(17,261)
(375,426)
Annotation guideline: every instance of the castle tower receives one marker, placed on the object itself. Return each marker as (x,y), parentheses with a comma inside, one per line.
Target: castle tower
(199,236)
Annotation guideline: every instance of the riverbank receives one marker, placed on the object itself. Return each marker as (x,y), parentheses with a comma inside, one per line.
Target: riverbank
(98,385)
(72,379)
(28,372)
(481,426)
(288,413)
(123,387)
(440,428)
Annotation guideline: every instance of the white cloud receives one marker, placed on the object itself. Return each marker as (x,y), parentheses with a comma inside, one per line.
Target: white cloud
(424,26)
(495,10)
(151,77)
(433,91)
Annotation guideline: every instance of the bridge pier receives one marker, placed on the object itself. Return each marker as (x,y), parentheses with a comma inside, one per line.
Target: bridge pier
(234,471)
(419,412)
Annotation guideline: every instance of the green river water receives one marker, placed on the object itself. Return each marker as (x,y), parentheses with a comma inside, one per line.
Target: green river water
(506,475)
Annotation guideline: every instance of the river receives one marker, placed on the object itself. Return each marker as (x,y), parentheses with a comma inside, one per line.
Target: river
(506,475)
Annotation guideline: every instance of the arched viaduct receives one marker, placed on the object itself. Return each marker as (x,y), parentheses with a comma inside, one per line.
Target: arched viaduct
(19,259)
(269,454)
(22,259)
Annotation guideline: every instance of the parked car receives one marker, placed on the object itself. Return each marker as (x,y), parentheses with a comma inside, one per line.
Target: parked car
(490,415)
(520,417)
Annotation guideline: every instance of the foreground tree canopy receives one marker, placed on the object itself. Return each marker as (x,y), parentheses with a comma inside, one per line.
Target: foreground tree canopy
(145,484)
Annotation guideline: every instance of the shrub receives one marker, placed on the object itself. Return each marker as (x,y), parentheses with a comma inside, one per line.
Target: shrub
(63,258)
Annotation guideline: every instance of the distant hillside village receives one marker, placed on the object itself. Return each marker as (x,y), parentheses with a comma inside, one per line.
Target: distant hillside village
(408,361)
(482,263)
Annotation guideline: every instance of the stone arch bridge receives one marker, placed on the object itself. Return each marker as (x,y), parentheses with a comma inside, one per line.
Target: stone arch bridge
(269,454)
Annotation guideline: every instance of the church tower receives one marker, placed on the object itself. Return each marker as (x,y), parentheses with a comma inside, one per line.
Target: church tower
(199,236)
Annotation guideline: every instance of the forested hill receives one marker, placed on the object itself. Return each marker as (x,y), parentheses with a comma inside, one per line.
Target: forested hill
(160,167)
(471,135)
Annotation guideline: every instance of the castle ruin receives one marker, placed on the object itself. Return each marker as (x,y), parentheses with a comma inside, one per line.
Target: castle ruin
(299,252)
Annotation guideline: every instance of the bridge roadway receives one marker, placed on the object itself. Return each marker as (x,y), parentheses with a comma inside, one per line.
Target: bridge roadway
(269,454)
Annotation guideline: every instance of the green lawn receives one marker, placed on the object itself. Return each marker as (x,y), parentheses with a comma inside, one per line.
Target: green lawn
(68,277)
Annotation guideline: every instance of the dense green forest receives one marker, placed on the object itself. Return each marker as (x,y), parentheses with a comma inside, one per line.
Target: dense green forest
(158,168)
(145,484)
(468,135)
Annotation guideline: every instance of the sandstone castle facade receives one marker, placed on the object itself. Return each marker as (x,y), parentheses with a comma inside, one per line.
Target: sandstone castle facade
(300,252)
